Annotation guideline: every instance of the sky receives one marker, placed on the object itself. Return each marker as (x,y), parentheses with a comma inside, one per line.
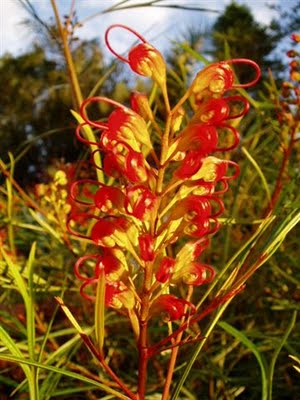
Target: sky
(159,25)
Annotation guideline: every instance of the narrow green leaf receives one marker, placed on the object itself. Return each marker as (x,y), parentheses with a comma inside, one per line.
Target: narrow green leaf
(10,205)
(16,275)
(44,224)
(198,348)
(69,315)
(89,134)
(61,371)
(11,346)
(6,339)
(195,54)
(259,171)
(30,316)
(100,311)
(251,346)
(277,351)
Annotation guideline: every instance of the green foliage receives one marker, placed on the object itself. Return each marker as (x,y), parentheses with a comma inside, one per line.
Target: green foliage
(237,29)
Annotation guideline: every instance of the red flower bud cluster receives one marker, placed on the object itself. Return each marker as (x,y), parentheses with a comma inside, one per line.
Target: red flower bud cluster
(157,195)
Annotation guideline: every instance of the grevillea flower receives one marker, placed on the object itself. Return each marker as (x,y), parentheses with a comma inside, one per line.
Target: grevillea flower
(165,269)
(146,244)
(217,78)
(144,59)
(109,232)
(123,161)
(113,268)
(139,201)
(195,274)
(162,186)
(209,169)
(140,104)
(195,206)
(109,198)
(171,308)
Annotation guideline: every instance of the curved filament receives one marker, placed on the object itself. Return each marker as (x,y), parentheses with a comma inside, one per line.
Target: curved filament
(127,29)
(97,99)
(250,63)
(236,139)
(242,100)
(80,138)
(80,263)
(237,171)
(74,191)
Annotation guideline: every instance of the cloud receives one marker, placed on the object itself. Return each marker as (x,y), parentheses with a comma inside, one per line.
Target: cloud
(158,25)
(14,36)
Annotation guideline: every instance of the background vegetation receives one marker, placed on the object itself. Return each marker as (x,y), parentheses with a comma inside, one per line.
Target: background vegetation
(247,354)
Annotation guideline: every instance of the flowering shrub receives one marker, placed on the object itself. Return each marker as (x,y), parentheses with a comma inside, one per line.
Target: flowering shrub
(157,208)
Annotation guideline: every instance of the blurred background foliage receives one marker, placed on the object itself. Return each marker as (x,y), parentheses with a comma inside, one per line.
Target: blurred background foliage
(37,129)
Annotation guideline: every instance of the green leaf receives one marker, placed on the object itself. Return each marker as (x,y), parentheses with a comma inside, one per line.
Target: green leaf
(44,224)
(63,372)
(277,351)
(100,311)
(251,346)
(89,135)
(30,316)
(259,171)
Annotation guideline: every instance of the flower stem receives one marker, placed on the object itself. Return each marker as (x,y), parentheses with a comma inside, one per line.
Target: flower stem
(77,95)
(174,355)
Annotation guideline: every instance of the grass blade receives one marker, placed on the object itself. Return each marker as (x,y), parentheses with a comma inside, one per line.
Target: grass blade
(61,371)
(277,351)
(251,346)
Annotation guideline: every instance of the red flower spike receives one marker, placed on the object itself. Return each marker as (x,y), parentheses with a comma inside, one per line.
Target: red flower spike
(80,219)
(217,78)
(103,228)
(214,170)
(190,165)
(195,249)
(165,269)
(104,232)
(197,207)
(195,274)
(236,138)
(171,307)
(81,139)
(296,37)
(237,99)
(80,263)
(139,200)
(80,190)
(202,139)
(108,199)
(213,111)
(146,244)
(87,284)
(140,104)
(117,295)
(201,227)
(250,63)
(122,161)
(189,253)
(143,59)
(135,168)
(111,166)
(127,126)
(111,265)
